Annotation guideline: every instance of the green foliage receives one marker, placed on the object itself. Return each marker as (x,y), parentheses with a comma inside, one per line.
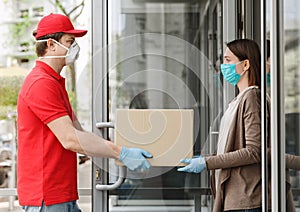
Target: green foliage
(18,29)
(74,13)
(9,90)
(73,100)
(4,110)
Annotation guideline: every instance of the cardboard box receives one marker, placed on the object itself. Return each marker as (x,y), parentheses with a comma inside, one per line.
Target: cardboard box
(166,133)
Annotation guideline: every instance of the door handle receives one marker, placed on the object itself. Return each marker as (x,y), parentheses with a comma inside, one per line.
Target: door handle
(101,125)
(121,178)
(122,169)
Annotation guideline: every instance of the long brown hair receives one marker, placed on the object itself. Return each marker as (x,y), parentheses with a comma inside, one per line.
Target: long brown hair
(246,49)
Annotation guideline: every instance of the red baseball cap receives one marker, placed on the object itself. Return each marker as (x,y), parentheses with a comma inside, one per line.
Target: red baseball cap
(53,23)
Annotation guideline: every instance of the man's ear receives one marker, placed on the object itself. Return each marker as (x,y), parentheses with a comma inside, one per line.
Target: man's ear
(50,45)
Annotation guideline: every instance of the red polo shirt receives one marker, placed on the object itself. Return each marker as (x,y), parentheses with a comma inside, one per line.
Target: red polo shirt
(46,171)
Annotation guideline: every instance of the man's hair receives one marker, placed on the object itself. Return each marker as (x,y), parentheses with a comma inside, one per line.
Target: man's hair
(246,49)
(40,47)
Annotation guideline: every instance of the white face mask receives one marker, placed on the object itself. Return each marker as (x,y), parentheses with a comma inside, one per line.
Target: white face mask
(72,52)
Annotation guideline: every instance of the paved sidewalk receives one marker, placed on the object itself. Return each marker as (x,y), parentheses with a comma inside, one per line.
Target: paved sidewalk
(4,207)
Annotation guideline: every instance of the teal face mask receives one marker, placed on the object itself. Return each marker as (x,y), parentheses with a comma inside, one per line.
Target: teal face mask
(268,79)
(229,73)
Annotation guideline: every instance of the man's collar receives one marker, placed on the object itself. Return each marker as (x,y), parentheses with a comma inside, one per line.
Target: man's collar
(48,70)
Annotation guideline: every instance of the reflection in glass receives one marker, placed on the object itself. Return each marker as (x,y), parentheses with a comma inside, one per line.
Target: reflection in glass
(292,87)
(158,58)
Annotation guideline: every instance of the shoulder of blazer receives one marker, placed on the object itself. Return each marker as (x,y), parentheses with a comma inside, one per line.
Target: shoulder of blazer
(251,100)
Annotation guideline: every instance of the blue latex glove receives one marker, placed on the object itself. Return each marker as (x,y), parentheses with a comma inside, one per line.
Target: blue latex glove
(195,165)
(135,158)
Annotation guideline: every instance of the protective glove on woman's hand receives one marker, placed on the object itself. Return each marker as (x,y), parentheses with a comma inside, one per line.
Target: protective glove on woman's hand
(195,165)
(135,158)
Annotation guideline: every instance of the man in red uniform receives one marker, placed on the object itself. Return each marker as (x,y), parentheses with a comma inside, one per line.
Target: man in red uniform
(49,134)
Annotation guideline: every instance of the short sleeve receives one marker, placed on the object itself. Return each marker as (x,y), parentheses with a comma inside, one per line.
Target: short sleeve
(45,98)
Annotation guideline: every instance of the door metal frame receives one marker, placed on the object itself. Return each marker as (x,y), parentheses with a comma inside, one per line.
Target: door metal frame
(264,127)
(277,106)
(100,94)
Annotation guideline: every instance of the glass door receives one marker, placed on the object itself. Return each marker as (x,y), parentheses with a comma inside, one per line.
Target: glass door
(160,55)
(282,85)
(289,80)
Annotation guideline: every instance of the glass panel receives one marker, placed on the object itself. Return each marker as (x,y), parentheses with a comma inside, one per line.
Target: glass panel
(162,55)
(291,98)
